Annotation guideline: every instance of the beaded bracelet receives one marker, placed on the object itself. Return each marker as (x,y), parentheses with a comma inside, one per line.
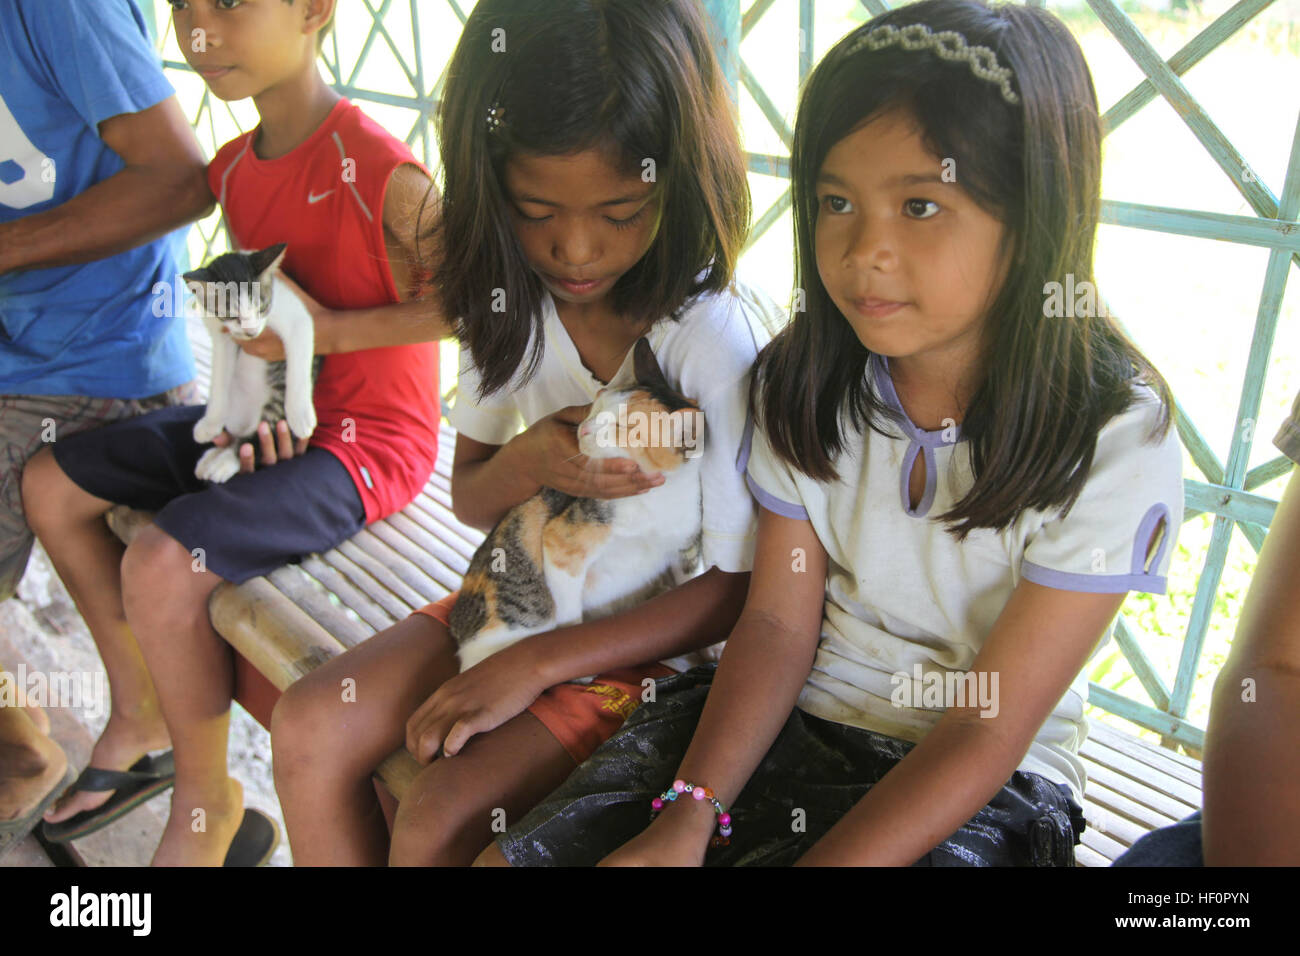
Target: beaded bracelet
(699,793)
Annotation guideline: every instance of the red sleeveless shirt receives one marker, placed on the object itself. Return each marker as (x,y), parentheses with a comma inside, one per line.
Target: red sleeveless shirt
(377,409)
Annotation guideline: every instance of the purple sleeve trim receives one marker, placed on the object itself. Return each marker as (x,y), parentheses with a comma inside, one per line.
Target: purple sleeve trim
(774,504)
(1148,524)
(1093,583)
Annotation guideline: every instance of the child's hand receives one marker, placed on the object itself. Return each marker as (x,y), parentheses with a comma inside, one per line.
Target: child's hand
(280,448)
(552,459)
(669,841)
(481,699)
(268,346)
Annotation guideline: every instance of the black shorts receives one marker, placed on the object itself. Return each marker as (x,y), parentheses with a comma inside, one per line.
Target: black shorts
(814,773)
(247,526)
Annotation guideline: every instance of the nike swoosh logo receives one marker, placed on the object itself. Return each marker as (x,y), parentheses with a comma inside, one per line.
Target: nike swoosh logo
(312,198)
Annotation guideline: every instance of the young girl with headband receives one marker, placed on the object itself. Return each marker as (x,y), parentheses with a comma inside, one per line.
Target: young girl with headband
(957,489)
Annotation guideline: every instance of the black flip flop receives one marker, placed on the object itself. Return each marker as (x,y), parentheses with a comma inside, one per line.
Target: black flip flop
(256,840)
(148,777)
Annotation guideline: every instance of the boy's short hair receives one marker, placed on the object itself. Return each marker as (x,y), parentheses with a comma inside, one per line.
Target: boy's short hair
(325,30)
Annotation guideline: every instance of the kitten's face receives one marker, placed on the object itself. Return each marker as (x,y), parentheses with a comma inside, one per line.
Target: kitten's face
(235,289)
(645,420)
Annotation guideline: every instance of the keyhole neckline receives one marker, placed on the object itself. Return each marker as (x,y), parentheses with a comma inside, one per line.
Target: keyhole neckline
(929,439)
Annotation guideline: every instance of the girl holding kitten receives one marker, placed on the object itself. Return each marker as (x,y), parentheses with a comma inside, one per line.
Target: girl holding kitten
(958,488)
(595,193)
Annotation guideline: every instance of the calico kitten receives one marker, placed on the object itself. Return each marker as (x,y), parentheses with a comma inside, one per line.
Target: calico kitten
(557,559)
(239,291)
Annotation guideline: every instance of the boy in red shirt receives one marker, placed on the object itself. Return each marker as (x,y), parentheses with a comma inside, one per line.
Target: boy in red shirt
(344,194)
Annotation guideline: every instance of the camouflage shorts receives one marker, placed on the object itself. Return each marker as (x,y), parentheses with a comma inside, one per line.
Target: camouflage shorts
(27,423)
(815,772)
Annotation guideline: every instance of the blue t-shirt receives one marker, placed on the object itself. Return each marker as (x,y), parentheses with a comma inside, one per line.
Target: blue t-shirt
(89,329)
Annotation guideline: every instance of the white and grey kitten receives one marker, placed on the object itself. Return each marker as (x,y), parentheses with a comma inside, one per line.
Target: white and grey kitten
(239,291)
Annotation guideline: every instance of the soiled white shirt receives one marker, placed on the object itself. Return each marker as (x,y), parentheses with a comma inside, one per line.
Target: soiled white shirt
(706,355)
(902,593)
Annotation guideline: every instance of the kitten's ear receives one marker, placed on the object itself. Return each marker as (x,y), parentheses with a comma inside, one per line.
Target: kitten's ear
(196,281)
(646,365)
(268,260)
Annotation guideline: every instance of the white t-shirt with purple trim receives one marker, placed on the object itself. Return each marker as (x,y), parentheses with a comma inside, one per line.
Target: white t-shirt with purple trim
(907,604)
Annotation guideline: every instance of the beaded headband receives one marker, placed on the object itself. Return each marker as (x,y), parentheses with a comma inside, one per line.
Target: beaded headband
(948,45)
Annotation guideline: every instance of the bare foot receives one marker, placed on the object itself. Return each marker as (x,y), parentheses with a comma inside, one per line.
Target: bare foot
(123,742)
(40,718)
(201,826)
(29,773)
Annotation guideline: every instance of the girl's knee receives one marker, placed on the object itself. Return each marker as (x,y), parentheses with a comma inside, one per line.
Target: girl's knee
(420,840)
(295,719)
(431,822)
(306,725)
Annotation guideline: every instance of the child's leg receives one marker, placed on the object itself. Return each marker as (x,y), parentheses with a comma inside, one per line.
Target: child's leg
(328,742)
(166,602)
(457,805)
(234,531)
(492,856)
(87,556)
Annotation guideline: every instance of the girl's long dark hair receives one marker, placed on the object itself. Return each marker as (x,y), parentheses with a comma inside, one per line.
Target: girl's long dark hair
(637,76)
(1050,383)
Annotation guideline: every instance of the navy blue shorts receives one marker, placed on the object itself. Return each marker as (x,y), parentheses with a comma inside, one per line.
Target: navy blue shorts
(1178,844)
(813,774)
(248,526)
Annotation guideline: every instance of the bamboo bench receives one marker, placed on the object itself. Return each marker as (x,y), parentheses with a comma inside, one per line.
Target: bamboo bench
(287,623)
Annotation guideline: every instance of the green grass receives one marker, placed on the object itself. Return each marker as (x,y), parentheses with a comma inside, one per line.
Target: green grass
(1189,303)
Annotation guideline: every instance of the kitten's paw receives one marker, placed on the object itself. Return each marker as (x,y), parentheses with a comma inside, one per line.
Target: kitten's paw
(218,465)
(206,429)
(302,422)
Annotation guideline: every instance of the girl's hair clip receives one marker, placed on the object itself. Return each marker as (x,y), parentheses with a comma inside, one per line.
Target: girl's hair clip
(495,118)
(948,45)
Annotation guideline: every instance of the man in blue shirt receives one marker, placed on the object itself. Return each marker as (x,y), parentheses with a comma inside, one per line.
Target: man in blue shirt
(98,165)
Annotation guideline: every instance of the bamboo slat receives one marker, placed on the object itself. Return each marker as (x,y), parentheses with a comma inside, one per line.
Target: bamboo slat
(1139,792)
(349,594)
(1102,845)
(1178,765)
(313,598)
(387,585)
(394,607)
(1101,755)
(275,635)
(1085,855)
(1109,804)
(397,564)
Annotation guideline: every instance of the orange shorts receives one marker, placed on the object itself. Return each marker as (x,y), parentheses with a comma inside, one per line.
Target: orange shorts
(580,716)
